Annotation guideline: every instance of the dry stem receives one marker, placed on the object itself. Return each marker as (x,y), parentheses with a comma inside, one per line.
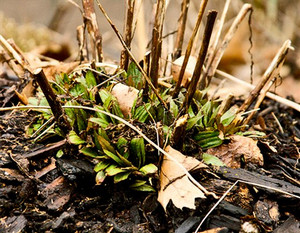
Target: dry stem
(124,61)
(157,41)
(93,30)
(268,75)
(201,57)
(189,48)
(181,29)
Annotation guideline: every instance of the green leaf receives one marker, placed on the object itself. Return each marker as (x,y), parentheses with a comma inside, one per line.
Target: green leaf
(122,144)
(79,90)
(89,151)
(137,146)
(140,185)
(100,177)
(116,108)
(193,120)
(105,144)
(90,79)
(173,108)
(74,138)
(121,176)
(149,169)
(113,170)
(206,134)
(210,142)
(59,154)
(206,111)
(227,117)
(101,166)
(114,157)
(213,160)
(135,77)
(106,97)
(142,112)
(99,121)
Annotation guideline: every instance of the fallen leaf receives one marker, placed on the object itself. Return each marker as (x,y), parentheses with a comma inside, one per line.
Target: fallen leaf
(126,96)
(176,67)
(239,148)
(174,184)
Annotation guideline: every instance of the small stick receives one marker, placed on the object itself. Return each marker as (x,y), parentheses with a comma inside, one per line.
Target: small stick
(189,48)
(269,73)
(277,122)
(206,78)
(56,107)
(211,17)
(157,41)
(131,55)
(124,60)
(270,95)
(181,28)
(90,21)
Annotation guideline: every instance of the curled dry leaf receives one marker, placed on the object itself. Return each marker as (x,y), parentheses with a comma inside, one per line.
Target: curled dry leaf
(174,184)
(126,96)
(239,148)
(188,71)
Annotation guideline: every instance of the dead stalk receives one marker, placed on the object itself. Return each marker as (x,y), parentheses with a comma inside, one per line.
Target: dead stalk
(181,28)
(157,41)
(124,61)
(201,57)
(93,30)
(268,75)
(131,55)
(211,68)
(54,103)
(270,95)
(189,47)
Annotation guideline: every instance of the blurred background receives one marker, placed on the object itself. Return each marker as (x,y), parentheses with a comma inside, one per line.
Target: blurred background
(272,22)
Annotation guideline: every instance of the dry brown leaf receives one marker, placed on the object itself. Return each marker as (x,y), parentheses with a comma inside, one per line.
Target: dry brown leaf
(176,66)
(126,96)
(51,70)
(239,148)
(174,184)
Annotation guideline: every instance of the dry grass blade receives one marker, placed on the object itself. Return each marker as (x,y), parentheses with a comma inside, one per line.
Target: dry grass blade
(157,41)
(189,47)
(181,28)
(131,55)
(92,27)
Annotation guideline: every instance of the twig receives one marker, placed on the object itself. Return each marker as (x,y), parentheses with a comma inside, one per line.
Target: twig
(269,73)
(131,55)
(207,76)
(192,179)
(124,61)
(92,27)
(201,57)
(272,96)
(157,41)
(189,48)
(56,107)
(277,122)
(181,28)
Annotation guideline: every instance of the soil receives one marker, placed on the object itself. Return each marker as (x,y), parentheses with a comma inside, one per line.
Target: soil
(42,193)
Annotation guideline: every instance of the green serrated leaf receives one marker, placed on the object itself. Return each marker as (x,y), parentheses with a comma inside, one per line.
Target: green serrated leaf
(114,157)
(149,169)
(90,79)
(137,146)
(227,117)
(213,160)
(75,139)
(121,176)
(173,108)
(101,166)
(100,177)
(113,170)
(99,121)
(89,151)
